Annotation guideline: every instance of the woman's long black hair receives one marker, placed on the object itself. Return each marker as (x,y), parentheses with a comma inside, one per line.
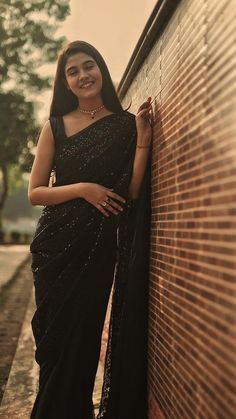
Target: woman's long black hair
(63,100)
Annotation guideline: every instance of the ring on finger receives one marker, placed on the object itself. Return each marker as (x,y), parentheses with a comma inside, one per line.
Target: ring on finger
(108,199)
(104,204)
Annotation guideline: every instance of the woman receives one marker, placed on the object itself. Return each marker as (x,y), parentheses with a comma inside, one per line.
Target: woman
(99,154)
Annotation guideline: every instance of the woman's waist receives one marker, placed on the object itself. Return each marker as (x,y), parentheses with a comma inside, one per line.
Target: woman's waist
(77,211)
(72,220)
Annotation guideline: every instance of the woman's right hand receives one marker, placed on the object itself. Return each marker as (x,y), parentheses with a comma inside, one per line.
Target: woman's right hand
(97,195)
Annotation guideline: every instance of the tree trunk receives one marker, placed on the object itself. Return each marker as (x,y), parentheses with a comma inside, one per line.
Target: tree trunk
(4,190)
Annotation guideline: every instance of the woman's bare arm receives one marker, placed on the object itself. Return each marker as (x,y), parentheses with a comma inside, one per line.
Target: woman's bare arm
(144,137)
(39,193)
(139,167)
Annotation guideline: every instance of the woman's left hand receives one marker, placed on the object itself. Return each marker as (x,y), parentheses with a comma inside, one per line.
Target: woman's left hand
(144,120)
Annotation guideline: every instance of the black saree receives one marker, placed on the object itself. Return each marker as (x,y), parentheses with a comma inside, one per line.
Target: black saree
(75,253)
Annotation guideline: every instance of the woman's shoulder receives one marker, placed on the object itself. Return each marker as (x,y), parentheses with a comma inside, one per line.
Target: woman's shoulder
(69,116)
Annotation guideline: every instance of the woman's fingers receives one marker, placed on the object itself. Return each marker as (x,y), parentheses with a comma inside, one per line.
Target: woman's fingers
(108,208)
(145,104)
(111,209)
(146,113)
(101,209)
(104,199)
(115,205)
(145,109)
(111,205)
(115,196)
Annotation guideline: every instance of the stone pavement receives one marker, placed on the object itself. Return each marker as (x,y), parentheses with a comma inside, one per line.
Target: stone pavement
(22,383)
(21,387)
(11,258)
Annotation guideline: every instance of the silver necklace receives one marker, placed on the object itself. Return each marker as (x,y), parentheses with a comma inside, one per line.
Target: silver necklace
(92,112)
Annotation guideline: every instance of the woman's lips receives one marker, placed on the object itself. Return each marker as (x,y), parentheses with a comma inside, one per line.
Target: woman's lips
(86,85)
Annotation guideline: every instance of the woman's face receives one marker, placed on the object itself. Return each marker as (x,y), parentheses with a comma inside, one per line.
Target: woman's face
(83,76)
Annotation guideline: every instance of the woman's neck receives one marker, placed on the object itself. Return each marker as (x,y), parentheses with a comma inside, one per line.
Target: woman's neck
(90,104)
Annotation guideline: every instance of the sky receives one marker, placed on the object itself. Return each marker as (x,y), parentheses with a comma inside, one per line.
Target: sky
(112,26)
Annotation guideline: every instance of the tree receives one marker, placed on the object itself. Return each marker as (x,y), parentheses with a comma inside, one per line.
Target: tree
(27,31)
(18,126)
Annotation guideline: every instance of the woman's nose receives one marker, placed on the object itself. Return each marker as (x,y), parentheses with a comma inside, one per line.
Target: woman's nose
(82,74)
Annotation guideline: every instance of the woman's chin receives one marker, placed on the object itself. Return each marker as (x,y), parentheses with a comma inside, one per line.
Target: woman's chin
(89,95)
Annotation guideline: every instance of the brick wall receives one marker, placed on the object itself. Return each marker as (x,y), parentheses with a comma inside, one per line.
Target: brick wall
(192,325)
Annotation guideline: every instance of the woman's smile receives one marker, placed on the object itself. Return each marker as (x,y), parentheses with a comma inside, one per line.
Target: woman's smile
(86,85)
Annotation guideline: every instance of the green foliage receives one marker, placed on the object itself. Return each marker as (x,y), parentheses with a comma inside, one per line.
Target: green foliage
(17,124)
(27,31)
(15,178)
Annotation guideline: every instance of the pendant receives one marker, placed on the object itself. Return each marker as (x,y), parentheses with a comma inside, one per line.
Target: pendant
(92,114)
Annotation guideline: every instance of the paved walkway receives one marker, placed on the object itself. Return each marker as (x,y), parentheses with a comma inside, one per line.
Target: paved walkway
(22,382)
(11,258)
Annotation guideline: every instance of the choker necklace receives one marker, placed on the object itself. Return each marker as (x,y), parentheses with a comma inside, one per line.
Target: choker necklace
(92,113)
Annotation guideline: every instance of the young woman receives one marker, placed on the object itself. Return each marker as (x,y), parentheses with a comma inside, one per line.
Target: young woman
(99,155)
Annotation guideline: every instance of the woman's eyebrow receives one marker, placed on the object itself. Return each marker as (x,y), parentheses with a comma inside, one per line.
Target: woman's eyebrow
(74,67)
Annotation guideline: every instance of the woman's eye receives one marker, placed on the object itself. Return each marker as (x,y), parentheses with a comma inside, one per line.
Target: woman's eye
(88,67)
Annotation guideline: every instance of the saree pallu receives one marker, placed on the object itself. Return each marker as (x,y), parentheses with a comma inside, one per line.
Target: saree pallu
(77,253)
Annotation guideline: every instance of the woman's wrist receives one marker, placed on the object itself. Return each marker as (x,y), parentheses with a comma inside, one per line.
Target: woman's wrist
(143,142)
(143,146)
(80,189)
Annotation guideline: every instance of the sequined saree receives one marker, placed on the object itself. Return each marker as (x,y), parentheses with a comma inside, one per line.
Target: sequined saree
(77,253)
